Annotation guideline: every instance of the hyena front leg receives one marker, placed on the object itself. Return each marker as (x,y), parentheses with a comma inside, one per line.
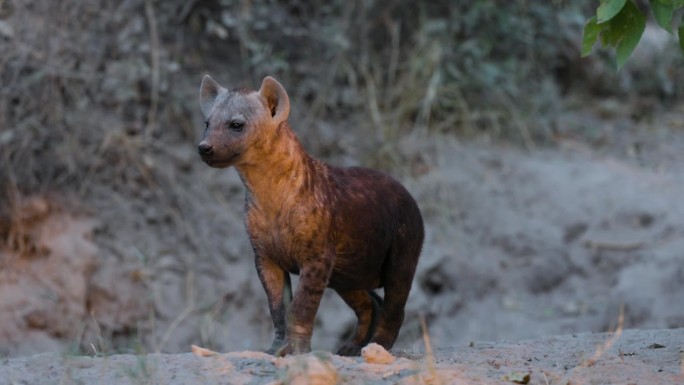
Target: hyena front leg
(276,282)
(312,283)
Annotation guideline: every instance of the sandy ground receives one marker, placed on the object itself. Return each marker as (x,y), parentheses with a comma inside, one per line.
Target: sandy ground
(633,357)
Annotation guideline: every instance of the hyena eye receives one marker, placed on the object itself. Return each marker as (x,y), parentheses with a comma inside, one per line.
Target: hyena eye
(236,126)
(206,125)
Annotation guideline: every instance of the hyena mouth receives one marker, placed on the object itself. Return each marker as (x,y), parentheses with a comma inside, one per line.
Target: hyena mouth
(222,162)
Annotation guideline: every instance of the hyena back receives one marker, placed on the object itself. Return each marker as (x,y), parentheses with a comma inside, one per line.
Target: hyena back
(351,229)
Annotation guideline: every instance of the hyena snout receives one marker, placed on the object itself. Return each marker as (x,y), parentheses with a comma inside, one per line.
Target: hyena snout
(205,149)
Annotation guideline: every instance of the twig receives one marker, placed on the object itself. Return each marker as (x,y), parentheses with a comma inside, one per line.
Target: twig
(429,355)
(323,95)
(186,10)
(609,343)
(16,233)
(394,29)
(518,121)
(190,284)
(154,58)
(613,245)
(243,36)
(373,105)
(423,120)
(331,73)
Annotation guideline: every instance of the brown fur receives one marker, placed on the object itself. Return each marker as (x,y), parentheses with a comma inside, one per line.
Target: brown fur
(351,229)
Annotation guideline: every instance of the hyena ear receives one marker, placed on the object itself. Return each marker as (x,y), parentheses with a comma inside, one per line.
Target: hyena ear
(276,98)
(209,91)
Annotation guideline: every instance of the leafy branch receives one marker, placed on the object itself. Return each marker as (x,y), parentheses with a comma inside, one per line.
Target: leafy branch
(620,24)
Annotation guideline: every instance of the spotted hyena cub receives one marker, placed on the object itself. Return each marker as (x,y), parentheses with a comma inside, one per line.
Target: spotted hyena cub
(350,229)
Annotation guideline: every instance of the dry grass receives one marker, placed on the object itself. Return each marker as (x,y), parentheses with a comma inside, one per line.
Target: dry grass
(81,104)
(432,377)
(614,337)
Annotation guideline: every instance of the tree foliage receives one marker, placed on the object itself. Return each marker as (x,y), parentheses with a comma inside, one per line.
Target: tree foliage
(620,24)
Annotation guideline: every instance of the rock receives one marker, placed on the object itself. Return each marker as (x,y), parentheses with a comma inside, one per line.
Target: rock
(376,354)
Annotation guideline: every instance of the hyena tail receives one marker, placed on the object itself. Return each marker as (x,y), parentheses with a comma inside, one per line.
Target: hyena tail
(375,317)
(367,305)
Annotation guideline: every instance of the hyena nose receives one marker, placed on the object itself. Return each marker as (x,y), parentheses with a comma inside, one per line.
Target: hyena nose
(205,149)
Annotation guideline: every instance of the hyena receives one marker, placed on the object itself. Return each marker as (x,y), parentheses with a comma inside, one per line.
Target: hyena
(350,229)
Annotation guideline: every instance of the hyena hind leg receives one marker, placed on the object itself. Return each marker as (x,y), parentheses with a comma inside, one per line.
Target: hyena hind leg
(397,279)
(366,305)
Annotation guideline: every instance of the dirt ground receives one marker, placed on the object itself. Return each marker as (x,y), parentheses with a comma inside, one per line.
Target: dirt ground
(634,357)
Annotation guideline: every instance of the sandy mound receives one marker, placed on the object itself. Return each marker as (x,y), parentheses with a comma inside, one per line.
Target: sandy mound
(43,291)
(57,290)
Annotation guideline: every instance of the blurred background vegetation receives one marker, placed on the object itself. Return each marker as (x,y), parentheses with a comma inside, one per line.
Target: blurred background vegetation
(80,77)
(97,95)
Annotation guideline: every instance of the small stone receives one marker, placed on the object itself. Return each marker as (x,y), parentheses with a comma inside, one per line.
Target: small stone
(376,354)
(202,352)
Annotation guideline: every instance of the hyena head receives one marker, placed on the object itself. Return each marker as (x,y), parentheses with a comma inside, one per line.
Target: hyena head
(239,122)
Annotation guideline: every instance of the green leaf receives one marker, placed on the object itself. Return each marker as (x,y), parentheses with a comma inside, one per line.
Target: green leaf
(621,24)
(590,35)
(629,24)
(612,35)
(608,9)
(662,11)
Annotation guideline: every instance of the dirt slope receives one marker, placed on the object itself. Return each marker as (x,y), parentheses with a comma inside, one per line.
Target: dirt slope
(519,245)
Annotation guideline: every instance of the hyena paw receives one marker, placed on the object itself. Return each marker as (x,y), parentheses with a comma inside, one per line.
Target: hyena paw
(281,348)
(349,349)
(276,346)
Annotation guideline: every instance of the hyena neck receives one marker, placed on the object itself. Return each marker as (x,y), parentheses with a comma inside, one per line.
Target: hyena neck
(283,173)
